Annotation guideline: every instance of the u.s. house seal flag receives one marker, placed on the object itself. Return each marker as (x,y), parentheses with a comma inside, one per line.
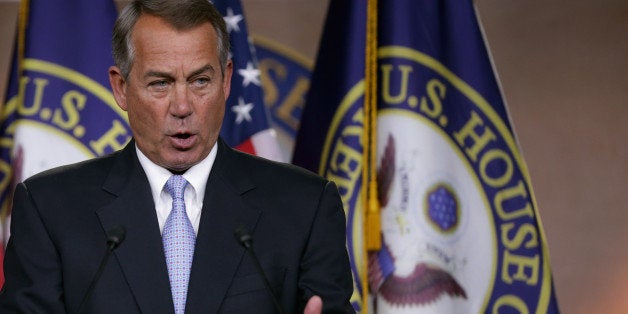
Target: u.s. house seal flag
(58,108)
(460,232)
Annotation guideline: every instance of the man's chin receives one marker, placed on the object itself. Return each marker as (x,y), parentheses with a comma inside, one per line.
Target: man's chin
(183,160)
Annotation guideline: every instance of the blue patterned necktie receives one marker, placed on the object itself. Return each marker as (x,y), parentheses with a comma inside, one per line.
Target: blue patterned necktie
(178,238)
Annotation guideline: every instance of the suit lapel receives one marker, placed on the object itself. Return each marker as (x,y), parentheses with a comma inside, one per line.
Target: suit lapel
(141,254)
(217,253)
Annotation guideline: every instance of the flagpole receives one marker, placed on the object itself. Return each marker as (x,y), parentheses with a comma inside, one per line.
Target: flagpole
(370,99)
(21,33)
(372,217)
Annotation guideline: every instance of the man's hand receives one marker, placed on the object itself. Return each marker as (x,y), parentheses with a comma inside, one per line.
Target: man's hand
(314,305)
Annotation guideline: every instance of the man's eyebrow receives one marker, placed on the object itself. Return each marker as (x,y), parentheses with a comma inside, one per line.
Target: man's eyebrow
(157,74)
(170,76)
(201,70)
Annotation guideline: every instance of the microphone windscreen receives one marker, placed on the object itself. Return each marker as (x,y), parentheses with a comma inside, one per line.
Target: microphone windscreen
(115,236)
(243,237)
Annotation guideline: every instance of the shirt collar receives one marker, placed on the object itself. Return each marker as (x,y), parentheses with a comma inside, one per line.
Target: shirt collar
(196,176)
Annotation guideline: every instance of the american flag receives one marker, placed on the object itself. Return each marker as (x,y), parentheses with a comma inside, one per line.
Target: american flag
(246,125)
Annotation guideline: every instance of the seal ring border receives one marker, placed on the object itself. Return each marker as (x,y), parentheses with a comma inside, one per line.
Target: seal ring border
(78,79)
(75,78)
(354,93)
(393,51)
(360,260)
(485,107)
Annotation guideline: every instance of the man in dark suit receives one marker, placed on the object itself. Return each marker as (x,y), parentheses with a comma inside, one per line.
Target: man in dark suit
(172,76)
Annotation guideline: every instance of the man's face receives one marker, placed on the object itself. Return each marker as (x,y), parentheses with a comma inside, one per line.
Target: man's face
(175,93)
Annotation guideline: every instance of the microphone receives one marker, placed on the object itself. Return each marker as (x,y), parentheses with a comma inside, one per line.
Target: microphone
(246,240)
(115,236)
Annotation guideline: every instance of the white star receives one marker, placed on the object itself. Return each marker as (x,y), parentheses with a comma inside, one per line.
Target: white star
(249,75)
(242,110)
(232,20)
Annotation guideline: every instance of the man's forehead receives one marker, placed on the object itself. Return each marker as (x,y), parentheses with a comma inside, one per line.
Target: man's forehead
(156,38)
(149,24)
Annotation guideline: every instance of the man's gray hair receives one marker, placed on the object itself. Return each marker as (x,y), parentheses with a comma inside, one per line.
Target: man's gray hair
(180,14)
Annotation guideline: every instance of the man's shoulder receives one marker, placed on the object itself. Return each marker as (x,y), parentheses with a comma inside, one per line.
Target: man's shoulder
(93,168)
(264,168)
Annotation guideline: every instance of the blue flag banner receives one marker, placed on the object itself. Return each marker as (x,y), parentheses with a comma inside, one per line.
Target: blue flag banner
(459,224)
(59,108)
(330,138)
(246,125)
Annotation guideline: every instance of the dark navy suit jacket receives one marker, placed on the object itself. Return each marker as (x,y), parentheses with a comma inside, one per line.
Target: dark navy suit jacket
(60,220)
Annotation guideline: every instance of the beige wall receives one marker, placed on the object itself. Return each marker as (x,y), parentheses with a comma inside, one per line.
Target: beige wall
(564,71)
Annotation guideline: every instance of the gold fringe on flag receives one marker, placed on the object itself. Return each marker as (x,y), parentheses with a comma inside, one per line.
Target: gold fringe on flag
(372,229)
(373,237)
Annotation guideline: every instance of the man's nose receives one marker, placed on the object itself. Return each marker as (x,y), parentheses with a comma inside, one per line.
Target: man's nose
(180,105)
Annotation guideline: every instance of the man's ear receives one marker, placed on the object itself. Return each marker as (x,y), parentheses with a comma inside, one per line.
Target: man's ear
(118,85)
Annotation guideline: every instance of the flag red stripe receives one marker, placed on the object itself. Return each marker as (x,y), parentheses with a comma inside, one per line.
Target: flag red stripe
(247,147)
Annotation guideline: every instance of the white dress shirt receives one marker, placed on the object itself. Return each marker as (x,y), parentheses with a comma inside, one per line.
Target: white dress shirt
(194,191)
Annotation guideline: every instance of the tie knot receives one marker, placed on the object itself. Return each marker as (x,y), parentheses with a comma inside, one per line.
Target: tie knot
(176,185)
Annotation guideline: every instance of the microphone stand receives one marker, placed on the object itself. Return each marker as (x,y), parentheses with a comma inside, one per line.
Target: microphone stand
(115,238)
(246,240)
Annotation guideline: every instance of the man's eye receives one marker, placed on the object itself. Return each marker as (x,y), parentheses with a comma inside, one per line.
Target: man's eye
(201,82)
(159,84)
